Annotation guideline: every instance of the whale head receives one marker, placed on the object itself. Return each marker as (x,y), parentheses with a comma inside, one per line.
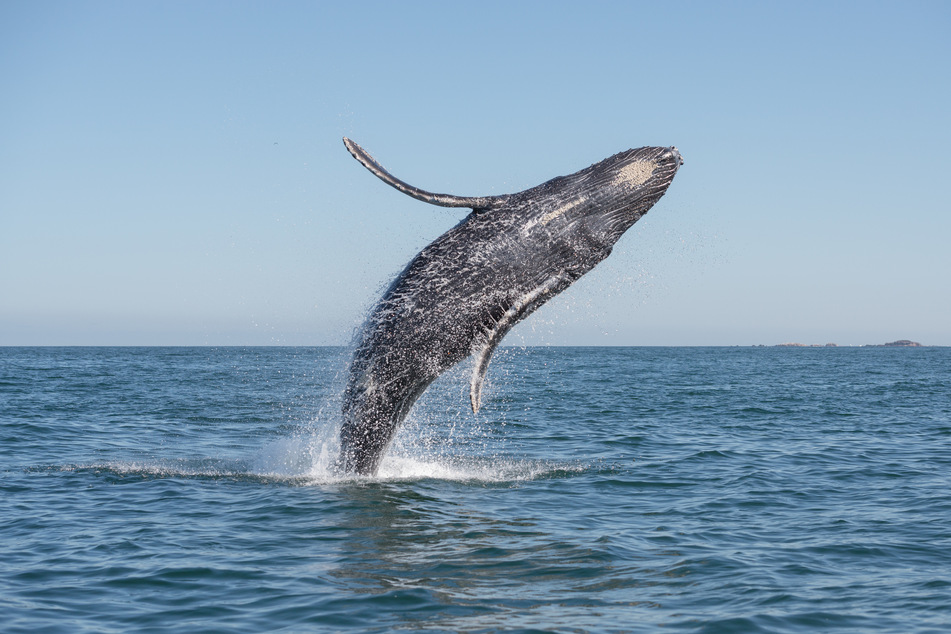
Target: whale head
(588,211)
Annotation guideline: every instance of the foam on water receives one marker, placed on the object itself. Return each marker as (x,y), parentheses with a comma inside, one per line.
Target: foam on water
(311,460)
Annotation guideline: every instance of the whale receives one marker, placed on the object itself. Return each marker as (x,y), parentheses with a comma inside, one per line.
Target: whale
(464,292)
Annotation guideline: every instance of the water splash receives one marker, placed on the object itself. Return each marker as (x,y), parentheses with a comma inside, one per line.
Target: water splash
(311,461)
(415,456)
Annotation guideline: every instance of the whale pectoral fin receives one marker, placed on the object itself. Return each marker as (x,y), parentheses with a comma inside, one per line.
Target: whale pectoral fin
(478,375)
(443,200)
(522,308)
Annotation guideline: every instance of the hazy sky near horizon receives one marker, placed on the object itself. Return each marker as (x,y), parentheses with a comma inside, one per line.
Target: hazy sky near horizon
(172,173)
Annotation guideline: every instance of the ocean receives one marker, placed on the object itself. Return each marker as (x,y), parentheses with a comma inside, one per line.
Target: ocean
(598,490)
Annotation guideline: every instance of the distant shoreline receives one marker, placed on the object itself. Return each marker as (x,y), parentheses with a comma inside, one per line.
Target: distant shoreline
(901,343)
(344,347)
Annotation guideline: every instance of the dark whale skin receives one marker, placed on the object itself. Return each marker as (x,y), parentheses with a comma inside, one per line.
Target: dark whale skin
(470,286)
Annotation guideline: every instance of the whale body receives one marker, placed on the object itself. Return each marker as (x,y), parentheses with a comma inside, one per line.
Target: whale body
(466,290)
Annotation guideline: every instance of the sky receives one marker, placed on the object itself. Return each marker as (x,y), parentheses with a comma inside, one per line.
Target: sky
(172,173)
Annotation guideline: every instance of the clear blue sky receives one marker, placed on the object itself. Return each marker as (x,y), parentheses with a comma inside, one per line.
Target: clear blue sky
(172,172)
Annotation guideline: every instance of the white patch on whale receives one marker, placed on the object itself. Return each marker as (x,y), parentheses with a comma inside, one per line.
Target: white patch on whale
(635,174)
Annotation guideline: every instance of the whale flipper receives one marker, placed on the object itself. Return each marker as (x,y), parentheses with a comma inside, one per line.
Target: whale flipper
(443,200)
(524,306)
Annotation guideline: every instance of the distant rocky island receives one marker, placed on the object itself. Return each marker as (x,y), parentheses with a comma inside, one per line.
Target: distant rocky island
(901,343)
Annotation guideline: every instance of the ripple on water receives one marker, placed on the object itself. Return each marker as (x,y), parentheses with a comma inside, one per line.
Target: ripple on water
(695,489)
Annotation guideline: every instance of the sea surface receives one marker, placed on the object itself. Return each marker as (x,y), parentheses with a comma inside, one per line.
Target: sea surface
(598,490)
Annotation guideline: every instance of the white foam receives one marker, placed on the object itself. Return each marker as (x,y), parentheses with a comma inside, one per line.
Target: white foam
(297,462)
(309,458)
(312,461)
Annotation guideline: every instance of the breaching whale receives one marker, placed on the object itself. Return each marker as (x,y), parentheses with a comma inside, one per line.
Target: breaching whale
(466,290)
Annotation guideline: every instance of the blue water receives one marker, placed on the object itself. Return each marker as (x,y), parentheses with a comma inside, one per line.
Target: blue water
(599,489)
